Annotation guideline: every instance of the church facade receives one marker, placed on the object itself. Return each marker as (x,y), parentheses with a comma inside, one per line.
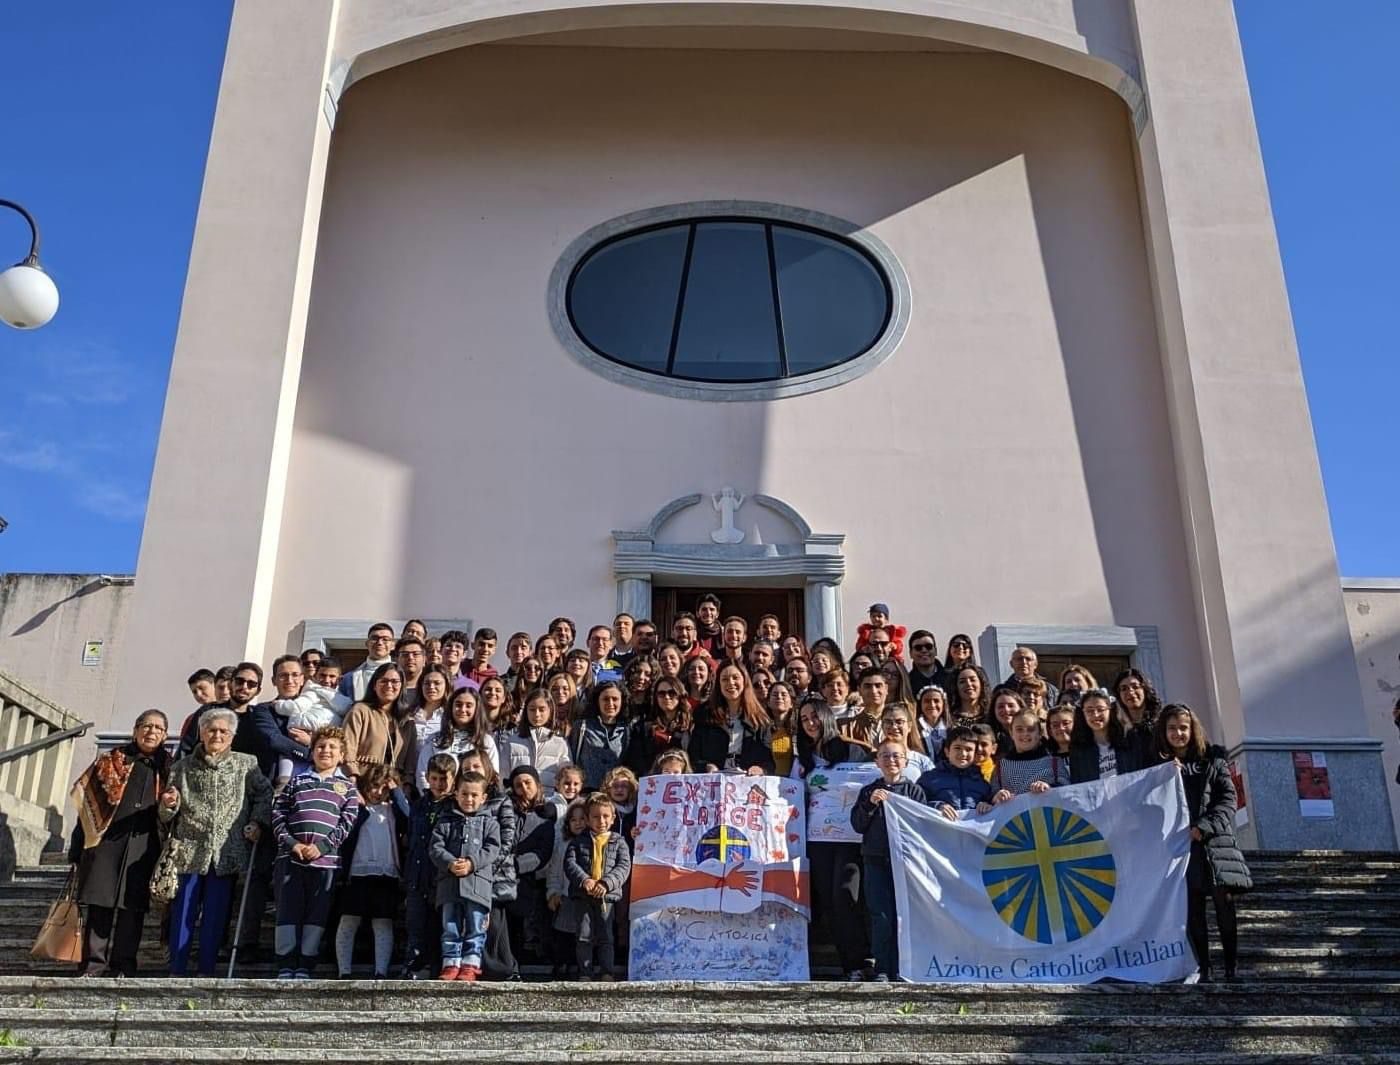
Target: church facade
(502,311)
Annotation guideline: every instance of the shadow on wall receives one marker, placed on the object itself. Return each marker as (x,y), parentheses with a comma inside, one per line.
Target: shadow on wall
(753,133)
(95,585)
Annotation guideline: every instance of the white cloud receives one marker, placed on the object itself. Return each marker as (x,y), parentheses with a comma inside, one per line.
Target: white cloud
(112,502)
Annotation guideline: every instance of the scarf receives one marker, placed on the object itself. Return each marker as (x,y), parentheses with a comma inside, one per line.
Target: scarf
(99,791)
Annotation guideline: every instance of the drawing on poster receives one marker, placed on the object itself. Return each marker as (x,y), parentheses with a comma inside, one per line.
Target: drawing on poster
(1314,787)
(719,886)
(831,796)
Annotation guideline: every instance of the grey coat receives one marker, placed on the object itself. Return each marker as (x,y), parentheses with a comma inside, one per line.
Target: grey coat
(476,837)
(219,798)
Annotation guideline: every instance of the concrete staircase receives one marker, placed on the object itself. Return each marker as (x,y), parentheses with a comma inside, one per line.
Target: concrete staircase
(1320,948)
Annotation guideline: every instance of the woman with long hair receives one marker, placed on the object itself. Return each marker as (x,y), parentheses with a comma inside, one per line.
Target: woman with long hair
(1075,680)
(422,724)
(897,684)
(670,661)
(732,731)
(835,867)
(548,652)
(782,708)
(598,741)
(699,681)
(664,724)
(971,696)
(496,706)
(537,741)
(1142,705)
(638,677)
(1100,746)
(464,728)
(529,675)
(1217,868)
(828,648)
(374,735)
(563,692)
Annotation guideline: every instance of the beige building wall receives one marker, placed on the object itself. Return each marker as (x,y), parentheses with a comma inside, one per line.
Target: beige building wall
(1011,462)
(46,621)
(1373,611)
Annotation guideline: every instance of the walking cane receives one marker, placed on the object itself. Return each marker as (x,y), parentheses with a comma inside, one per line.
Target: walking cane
(242,905)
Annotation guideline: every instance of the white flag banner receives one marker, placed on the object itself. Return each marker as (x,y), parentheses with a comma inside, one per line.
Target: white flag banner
(1078,884)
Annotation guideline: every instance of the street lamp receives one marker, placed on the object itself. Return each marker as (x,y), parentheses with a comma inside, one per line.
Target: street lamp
(28,296)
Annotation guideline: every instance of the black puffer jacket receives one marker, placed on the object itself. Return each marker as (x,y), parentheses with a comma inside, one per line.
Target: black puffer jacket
(1210,795)
(504,881)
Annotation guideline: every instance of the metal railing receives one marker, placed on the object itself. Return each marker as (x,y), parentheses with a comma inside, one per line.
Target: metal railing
(36,746)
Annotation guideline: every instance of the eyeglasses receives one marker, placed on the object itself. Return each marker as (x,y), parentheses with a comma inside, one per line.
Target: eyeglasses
(288,676)
(879,643)
(921,646)
(153,726)
(381,639)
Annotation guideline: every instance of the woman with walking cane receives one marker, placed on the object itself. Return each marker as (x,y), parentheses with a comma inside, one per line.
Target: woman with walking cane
(216,806)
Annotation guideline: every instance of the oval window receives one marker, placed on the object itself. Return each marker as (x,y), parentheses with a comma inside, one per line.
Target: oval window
(729,299)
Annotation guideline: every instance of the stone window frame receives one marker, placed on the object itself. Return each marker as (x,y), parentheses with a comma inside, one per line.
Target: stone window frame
(1141,643)
(730,391)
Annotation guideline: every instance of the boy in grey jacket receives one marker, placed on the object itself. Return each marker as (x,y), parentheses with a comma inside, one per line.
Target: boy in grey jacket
(597,865)
(465,846)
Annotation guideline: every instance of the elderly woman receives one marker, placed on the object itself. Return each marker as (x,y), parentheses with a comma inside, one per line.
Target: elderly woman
(217,802)
(116,845)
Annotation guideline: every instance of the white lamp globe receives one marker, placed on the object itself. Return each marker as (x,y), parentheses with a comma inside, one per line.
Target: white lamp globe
(28,296)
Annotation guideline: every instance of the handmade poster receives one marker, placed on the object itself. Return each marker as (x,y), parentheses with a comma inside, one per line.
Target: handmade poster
(1314,787)
(831,795)
(1241,803)
(1078,884)
(719,887)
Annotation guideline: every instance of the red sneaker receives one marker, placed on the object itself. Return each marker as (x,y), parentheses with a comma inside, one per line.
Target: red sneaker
(469,973)
(449,972)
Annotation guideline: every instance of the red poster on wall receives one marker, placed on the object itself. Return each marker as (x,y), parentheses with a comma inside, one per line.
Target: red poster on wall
(1314,788)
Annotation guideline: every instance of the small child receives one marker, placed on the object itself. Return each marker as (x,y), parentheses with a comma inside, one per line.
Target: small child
(572,822)
(315,708)
(466,844)
(985,737)
(868,818)
(621,786)
(568,786)
(670,762)
(597,865)
(1028,767)
(372,870)
(956,783)
(311,819)
(880,619)
(419,874)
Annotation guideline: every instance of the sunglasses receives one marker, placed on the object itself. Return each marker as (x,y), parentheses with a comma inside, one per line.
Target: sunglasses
(668,694)
(244,682)
(921,647)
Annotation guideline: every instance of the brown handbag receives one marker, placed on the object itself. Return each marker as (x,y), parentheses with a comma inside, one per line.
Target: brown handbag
(61,935)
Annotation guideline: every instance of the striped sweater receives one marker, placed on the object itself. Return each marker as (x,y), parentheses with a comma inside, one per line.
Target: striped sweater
(312,809)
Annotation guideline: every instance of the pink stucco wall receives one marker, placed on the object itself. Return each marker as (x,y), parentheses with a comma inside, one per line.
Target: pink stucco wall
(450,459)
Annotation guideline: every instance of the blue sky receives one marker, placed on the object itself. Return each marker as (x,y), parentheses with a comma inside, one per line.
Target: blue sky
(109,156)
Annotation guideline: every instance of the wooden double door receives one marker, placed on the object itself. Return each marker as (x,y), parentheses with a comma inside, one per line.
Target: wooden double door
(747,603)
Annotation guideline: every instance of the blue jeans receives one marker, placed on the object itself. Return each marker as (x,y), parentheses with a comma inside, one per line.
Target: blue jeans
(463,932)
(879,903)
(199,892)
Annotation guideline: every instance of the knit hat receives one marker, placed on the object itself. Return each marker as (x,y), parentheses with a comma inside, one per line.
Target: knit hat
(879,608)
(524,771)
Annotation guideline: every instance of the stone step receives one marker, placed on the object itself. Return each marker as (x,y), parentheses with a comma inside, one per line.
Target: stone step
(781,1055)
(1367,995)
(545,1031)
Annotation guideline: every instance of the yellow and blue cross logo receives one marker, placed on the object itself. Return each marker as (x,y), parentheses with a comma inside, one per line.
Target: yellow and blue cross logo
(1050,875)
(725,843)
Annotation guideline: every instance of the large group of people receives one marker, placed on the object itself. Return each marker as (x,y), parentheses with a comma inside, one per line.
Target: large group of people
(491,813)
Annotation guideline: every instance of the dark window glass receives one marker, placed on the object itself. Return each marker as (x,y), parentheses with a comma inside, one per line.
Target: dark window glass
(729,299)
(833,300)
(623,298)
(728,329)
